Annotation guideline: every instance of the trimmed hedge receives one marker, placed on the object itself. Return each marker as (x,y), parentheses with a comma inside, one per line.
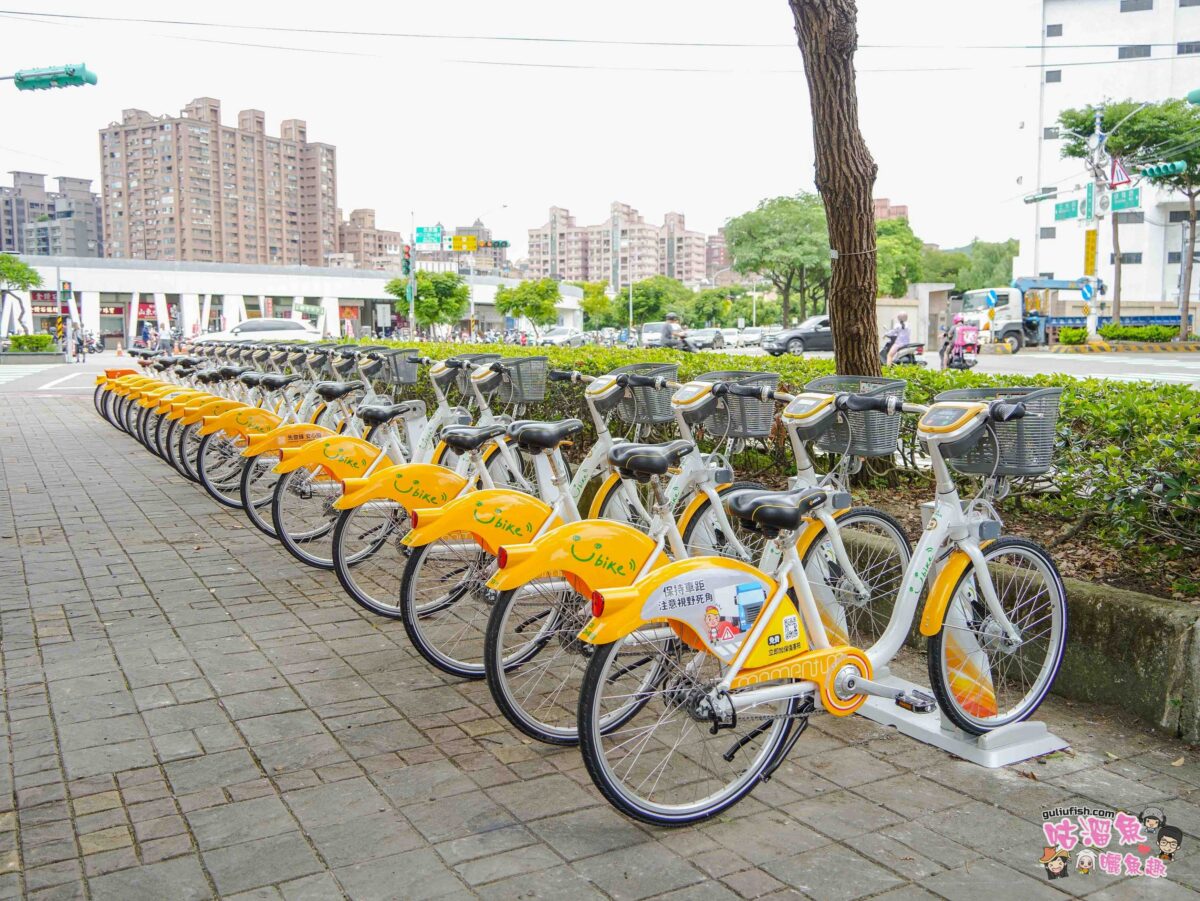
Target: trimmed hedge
(1155,333)
(1072,335)
(1128,455)
(30,343)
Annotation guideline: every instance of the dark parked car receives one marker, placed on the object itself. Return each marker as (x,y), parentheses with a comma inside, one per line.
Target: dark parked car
(811,334)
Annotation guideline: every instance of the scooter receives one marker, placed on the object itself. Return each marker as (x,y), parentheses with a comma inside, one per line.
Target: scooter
(962,355)
(907,355)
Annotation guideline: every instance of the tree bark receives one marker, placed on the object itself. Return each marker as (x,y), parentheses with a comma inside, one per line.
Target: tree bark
(827,32)
(1116,271)
(1187,268)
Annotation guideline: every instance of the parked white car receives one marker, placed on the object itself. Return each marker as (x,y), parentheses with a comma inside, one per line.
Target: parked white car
(561,336)
(267,330)
(733,338)
(751,336)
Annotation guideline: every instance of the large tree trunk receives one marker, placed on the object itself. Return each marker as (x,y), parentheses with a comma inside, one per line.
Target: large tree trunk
(1116,271)
(828,34)
(1187,268)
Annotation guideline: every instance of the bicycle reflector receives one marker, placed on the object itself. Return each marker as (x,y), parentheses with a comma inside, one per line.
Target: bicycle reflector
(502,558)
(413,516)
(597,604)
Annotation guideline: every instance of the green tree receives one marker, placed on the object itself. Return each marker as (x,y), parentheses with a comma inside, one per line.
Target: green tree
(991,264)
(597,306)
(535,301)
(17,276)
(708,307)
(898,253)
(1129,129)
(943,265)
(441,297)
(786,241)
(654,297)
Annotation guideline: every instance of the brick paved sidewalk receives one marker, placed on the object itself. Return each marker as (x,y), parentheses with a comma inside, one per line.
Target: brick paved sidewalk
(191,713)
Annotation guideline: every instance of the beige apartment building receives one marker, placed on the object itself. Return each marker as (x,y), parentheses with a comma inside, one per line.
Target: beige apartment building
(188,187)
(363,246)
(622,248)
(885,209)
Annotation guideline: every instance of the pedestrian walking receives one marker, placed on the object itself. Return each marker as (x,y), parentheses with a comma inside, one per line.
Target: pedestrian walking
(80,355)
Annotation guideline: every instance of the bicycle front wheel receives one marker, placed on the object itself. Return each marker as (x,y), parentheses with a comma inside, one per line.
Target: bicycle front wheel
(981,676)
(706,534)
(303,514)
(219,465)
(368,557)
(650,749)
(257,490)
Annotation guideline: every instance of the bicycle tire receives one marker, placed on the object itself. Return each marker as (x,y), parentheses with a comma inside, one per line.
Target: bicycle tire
(370,586)
(717,544)
(218,486)
(306,546)
(952,696)
(257,495)
(188,445)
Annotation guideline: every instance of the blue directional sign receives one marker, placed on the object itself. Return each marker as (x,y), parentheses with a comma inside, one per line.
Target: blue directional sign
(1087,291)
(991,298)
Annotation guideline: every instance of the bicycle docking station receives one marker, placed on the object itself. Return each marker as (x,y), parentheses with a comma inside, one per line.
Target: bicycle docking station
(1001,747)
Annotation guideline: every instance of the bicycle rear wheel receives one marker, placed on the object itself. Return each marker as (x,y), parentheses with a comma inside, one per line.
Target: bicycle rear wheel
(981,678)
(219,465)
(660,763)
(187,449)
(257,490)
(303,515)
(367,555)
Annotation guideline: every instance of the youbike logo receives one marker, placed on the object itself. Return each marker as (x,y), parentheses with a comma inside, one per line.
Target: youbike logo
(495,520)
(416,491)
(597,558)
(338,455)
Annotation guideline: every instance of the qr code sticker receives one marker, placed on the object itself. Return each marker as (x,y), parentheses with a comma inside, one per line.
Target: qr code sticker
(791,628)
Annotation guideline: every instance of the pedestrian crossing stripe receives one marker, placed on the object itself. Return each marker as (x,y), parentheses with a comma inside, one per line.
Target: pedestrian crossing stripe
(12,373)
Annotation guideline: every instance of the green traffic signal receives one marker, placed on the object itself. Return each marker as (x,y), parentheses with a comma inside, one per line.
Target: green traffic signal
(1164,170)
(68,76)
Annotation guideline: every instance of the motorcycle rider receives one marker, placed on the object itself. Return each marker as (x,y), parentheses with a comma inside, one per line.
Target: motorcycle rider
(676,334)
(900,336)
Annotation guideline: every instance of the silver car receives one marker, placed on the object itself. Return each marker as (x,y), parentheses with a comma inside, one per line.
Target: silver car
(268,330)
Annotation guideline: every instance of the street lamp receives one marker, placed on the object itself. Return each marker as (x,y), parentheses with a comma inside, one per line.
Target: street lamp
(68,76)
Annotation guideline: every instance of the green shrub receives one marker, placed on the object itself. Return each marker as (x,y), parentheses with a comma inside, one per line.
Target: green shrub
(1127,456)
(1072,335)
(30,343)
(1157,333)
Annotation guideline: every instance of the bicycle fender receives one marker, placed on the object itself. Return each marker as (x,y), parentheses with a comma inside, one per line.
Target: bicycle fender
(111,375)
(341,455)
(177,406)
(297,434)
(411,485)
(167,401)
(943,590)
(592,554)
(693,507)
(607,487)
(151,399)
(492,517)
(685,593)
(244,422)
(195,412)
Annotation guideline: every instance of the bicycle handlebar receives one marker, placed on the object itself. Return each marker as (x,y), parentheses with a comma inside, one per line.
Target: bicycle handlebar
(866,403)
(561,375)
(1001,411)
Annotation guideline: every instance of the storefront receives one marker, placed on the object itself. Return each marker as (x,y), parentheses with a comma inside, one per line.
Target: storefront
(46,311)
(112,320)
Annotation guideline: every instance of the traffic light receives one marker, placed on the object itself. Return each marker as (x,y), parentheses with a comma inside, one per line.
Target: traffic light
(68,76)
(406,263)
(499,243)
(1163,170)
(66,286)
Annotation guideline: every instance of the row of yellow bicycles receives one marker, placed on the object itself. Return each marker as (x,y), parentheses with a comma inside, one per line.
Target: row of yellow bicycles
(679,626)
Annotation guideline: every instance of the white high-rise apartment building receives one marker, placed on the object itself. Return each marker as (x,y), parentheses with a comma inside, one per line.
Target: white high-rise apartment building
(1148,50)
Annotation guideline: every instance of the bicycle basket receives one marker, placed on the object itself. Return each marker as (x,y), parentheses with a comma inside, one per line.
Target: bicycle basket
(524,380)
(740,417)
(642,406)
(860,434)
(463,379)
(1026,445)
(399,370)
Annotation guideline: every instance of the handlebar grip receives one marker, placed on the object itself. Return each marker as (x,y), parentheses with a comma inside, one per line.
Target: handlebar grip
(455,364)
(416,359)
(761,392)
(633,380)
(1000,411)
(498,367)
(560,375)
(864,403)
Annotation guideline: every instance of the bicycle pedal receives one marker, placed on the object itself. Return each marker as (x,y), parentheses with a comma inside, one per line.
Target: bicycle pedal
(917,701)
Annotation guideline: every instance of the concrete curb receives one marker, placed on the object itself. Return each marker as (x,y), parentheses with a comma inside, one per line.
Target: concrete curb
(1137,347)
(995,349)
(1135,651)
(28,357)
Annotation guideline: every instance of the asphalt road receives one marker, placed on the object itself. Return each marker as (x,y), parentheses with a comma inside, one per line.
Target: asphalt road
(1184,368)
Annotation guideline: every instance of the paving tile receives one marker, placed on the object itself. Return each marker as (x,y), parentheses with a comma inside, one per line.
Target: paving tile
(181,879)
(832,872)
(420,873)
(261,862)
(231,824)
(638,872)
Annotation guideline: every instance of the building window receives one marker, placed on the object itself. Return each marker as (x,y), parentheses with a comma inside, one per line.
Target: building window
(1055,31)
(1189,2)
(1188,47)
(1050,134)
(1045,275)
(1130,259)
(1053,76)
(1134,217)
(1174,256)
(1177,216)
(1136,6)
(1048,232)
(1133,51)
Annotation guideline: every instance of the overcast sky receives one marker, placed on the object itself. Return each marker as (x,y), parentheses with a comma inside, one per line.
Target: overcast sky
(456,128)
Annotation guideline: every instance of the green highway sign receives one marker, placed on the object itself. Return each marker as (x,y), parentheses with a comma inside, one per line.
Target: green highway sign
(1129,199)
(431,234)
(1089,201)
(1068,209)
